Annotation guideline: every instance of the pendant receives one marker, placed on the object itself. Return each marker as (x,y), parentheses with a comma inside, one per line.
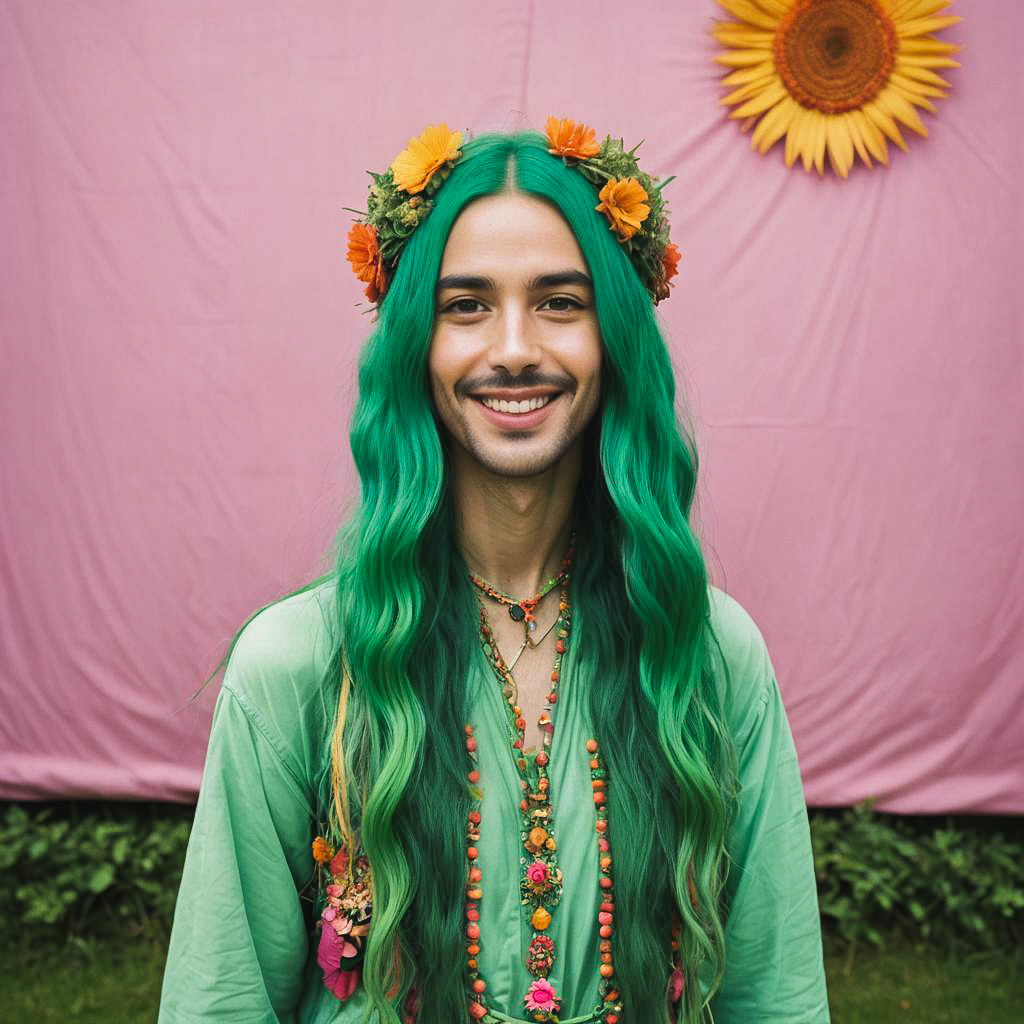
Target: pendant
(516,612)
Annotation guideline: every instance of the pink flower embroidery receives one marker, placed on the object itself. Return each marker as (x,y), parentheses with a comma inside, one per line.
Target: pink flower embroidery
(675,986)
(541,997)
(334,948)
(537,873)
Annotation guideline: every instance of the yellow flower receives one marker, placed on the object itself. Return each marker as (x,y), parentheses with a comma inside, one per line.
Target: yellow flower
(624,203)
(425,156)
(833,75)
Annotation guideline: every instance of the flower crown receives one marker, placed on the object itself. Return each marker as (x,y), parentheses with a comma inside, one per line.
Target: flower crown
(402,197)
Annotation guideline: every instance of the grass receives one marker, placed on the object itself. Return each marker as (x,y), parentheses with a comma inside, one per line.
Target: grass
(97,982)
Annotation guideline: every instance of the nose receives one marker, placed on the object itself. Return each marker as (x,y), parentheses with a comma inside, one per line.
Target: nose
(515,345)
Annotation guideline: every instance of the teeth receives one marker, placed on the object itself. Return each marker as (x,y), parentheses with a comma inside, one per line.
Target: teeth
(526,405)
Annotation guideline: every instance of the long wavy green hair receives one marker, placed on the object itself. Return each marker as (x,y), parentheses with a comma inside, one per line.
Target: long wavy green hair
(407,616)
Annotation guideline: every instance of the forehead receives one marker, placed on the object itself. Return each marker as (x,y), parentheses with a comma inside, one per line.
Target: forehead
(511,234)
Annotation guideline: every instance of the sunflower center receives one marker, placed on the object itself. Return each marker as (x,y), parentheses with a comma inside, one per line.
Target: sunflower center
(835,55)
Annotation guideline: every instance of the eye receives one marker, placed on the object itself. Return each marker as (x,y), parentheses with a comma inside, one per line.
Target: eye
(571,303)
(463,306)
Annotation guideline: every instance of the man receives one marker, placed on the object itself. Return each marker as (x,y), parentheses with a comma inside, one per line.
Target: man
(514,759)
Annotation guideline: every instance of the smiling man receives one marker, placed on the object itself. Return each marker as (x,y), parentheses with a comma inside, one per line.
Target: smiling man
(514,759)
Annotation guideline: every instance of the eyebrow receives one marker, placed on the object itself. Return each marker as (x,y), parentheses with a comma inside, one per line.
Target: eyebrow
(471,282)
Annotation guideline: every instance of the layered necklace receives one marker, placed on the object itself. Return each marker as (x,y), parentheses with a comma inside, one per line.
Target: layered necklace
(541,880)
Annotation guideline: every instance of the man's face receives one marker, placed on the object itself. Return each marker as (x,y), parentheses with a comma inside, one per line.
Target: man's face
(515,357)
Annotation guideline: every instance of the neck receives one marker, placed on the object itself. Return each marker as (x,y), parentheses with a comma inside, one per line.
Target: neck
(514,532)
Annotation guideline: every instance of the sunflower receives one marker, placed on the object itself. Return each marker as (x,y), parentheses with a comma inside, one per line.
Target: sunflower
(435,150)
(834,75)
(624,203)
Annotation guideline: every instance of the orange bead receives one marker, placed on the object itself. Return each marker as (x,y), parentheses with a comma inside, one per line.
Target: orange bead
(597,783)
(474,776)
(479,985)
(605,931)
(592,746)
(475,894)
(601,825)
(598,797)
(471,963)
(472,949)
(607,970)
(605,883)
(475,874)
(595,764)
(472,852)
(473,931)
(606,863)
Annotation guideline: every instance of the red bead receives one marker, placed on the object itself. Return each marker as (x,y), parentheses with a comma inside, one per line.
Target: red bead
(474,776)
(605,883)
(473,931)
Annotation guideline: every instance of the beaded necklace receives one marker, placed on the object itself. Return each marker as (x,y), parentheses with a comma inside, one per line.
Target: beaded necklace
(541,883)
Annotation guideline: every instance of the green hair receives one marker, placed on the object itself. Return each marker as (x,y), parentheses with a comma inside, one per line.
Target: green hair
(407,616)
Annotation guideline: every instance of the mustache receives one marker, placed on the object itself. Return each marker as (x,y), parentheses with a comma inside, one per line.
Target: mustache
(506,382)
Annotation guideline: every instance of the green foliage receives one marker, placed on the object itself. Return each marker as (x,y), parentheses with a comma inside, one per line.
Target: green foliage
(953,883)
(75,869)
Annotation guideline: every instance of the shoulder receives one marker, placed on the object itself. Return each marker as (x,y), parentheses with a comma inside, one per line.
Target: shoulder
(288,639)
(740,662)
(278,668)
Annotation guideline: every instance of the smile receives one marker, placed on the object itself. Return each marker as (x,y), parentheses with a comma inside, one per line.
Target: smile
(526,405)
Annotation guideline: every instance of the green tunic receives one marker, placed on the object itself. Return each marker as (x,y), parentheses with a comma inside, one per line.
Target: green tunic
(241,949)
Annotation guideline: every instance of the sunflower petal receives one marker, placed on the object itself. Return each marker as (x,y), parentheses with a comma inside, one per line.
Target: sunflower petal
(773,125)
(793,136)
(873,138)
(928,62)
(856,138)
(742,58)
(768,98)
(919,8)
(921,74)
(728,33)
(750,74)
(902,109)
(819,142)
(840,145)
(884,123)
(922,26)
(928,46)
(746,91)
(750,12)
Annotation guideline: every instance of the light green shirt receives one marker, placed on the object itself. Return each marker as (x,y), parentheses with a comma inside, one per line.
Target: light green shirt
(241,949)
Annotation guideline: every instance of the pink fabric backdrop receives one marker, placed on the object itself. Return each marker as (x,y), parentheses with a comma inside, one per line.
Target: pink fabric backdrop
(180,332)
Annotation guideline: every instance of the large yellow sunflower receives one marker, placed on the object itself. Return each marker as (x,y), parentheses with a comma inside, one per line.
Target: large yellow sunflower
(833,74)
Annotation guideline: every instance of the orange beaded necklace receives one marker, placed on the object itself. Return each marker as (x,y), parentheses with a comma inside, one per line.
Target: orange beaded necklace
(541,883)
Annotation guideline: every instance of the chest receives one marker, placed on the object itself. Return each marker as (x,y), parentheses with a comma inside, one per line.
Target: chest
(532,658)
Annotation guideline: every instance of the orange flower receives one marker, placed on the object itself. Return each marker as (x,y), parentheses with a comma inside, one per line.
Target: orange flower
(567,138)
(424,157)
(624,203)
(322,850)
(364,255)
(670,263)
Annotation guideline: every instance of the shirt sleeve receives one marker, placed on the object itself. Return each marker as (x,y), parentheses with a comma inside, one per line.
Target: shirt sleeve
(774,970)
(239,940)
